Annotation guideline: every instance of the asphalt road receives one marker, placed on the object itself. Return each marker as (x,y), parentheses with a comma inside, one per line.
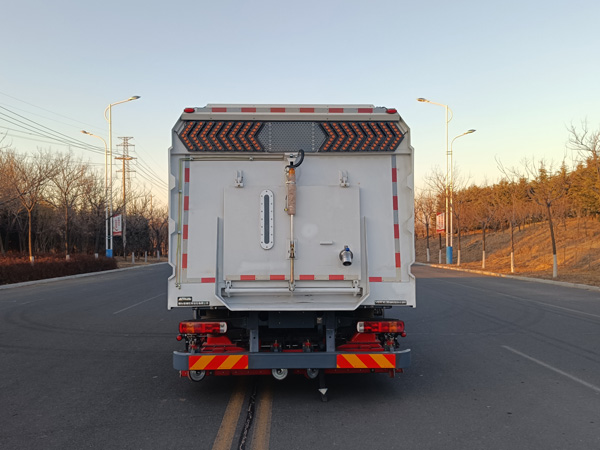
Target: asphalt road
(497,364)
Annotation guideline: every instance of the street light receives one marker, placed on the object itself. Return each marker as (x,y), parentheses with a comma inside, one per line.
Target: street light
(448,110)
(452,193)
(106,237)
(109,120)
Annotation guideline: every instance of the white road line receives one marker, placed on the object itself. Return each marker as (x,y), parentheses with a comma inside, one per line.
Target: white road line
(554,369)
(523,299)
(139,303)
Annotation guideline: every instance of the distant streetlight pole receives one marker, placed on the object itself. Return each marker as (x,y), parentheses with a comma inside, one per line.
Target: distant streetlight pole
(452,190)
(107,237)
(109,120)
(448,119)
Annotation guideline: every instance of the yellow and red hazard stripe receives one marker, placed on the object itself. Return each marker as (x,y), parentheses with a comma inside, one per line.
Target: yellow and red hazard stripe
(218,362)
(366,361)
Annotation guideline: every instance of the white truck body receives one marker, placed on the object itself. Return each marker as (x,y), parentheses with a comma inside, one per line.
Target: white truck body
(289,225)
(355,198)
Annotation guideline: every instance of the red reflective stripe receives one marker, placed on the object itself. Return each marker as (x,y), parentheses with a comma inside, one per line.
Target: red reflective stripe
(187,174)
(375,279)
(277,277)
(394,175)
(207,280)
(342,363)
(184,261)
(247,277)
(368,361)
(307,110)
(307,277)
(216,362)
(336,277)
(396,231)
(336,110)
(248,109)
(192,360)
(365,110)
(186,203)
(277,110)
(185,231)
(395,202)
(219,110)
(242,363)
(390,361)
(397,259)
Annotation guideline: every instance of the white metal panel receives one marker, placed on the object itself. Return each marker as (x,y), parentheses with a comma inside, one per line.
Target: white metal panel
(242,250)
(372,175)
(327,214)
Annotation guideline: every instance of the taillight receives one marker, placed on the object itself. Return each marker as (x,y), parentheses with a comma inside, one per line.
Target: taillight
(202,327)
(387,326)
(189,110)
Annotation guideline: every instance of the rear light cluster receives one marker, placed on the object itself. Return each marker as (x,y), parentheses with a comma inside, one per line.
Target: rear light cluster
(202,327)
(387,326)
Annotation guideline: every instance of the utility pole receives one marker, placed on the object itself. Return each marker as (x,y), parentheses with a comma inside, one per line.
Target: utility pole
(126,183)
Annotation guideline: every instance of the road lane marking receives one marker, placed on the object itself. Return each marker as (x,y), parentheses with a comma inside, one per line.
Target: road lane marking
(262,433)
(527,300)
(554,369)
(139,303)
(229,423)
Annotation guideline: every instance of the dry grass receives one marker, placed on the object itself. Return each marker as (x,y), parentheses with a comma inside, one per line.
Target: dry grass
(17,269)
(577,242)
(139,261)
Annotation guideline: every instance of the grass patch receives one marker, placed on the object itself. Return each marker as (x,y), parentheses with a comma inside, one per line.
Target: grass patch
(577,251)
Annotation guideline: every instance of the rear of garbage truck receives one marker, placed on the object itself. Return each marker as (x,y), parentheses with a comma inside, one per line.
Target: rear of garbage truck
(291,239)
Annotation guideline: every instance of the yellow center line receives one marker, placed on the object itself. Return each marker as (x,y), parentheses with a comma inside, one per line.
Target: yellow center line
(262,429)
(231,417)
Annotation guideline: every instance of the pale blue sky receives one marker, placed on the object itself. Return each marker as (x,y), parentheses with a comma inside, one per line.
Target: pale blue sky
(517,71)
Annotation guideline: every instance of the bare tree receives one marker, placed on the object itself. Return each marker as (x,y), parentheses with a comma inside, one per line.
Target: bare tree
(95,207)
(484,209)
(436,181)
(29,177)
(67,187)
(510,193)
(587,144)
(459,205)
(159,224)
(545,189)
(425,209)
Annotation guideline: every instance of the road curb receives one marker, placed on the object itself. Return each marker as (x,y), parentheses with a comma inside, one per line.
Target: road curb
(514,277)
(79,275)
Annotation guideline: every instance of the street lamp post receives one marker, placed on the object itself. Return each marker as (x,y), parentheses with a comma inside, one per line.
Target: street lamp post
(107,237)
(109,120)
(449,116)
(452,192)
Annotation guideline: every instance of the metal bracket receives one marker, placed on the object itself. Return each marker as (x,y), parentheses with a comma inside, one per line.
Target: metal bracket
(239,179)
(292,250)
(343,178)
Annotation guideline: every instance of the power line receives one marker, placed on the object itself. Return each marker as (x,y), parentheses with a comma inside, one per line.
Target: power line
(47,110)
(38,130)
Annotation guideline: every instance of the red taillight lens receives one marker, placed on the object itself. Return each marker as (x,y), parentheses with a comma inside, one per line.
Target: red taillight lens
(203,327)
(189,110)
(384,326)
(391,110)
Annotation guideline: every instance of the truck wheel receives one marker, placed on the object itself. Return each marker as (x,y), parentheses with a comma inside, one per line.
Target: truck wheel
(196,375)
(279,374)
(312,373)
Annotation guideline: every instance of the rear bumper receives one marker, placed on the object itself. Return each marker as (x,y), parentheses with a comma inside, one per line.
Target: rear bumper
(283,360)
